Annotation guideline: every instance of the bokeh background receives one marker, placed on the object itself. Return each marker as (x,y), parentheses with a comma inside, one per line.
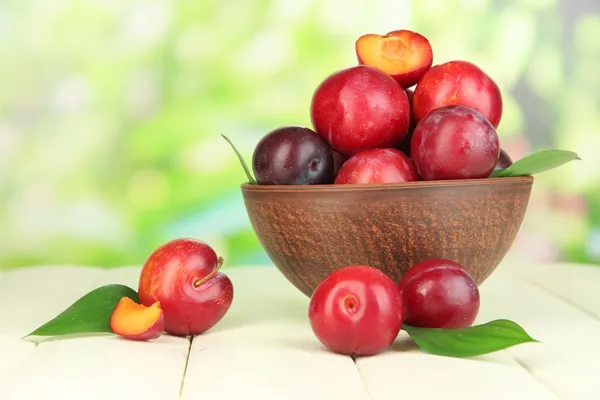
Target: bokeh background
(111,113)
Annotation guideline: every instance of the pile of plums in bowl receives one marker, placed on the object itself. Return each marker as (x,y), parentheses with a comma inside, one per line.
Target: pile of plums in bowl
(398,167)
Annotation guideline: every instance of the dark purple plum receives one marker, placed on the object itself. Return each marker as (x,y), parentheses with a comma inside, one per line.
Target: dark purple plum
(504,161)
(293,155)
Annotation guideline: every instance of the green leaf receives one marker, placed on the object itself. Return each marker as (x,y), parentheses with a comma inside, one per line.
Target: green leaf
(91,313)
(537,162)
(251,179)
(468,342)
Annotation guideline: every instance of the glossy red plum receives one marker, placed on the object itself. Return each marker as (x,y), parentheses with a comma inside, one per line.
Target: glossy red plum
(454,142)
(377,166)
(356,310)
(360,108)
(459,83)
(183,275)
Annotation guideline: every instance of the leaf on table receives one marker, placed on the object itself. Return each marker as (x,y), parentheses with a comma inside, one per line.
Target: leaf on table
(537,162)
(251,179)
(91,313)
(472,341)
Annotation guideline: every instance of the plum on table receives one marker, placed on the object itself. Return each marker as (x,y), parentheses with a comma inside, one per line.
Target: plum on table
(134,321)
(183,276)
(439,293)
(356,310)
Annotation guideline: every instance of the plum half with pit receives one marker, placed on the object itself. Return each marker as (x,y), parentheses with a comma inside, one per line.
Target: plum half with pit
(377,166)
(454,142)
(360,108)
(403,54)
(439,293)
(293,155)
(458,83)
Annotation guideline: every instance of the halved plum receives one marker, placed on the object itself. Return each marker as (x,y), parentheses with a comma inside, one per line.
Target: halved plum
(403,54)
(136,321)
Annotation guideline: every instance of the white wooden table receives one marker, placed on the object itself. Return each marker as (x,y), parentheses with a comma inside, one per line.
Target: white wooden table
(264,347)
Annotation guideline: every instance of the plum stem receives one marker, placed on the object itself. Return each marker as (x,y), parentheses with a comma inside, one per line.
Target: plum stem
(211,274)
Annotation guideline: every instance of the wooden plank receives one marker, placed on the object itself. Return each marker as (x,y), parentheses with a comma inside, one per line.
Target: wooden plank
(568,357)
(233,373)
(576,284)
(407,371)
(31,296)
(98,366)
(39,293)
(265,309)
(264,344)
(277,319)
(264,348)
(12,351)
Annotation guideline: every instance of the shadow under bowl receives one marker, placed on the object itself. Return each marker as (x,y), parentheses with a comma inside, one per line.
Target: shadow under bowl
(309,231)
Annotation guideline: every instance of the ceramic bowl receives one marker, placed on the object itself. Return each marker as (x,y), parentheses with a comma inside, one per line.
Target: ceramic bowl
(308,231)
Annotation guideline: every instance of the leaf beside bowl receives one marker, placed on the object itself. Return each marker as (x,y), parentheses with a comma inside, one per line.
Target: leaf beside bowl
(537,162)
(90,314)
(472,341)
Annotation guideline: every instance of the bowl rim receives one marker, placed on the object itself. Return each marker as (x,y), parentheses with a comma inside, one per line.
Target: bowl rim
(499,181)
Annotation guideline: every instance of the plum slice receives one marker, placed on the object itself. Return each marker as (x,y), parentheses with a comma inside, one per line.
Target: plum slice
(136,321)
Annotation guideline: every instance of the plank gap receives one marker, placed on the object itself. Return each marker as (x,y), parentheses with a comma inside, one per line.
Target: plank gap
(527,369)
(362,379)
(185,367)
(559,296)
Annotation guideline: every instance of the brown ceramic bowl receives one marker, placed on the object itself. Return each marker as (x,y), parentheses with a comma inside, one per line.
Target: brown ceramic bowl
(309,231)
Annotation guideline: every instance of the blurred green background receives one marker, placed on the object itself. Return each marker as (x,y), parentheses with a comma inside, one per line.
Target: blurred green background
(111,113)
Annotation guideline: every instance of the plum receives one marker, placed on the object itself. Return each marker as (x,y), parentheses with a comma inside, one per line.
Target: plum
(377,166)
(454,142)
(439,293)
(293,155)
(504,161)
(183,276)
(360,108)
(403,54)
(356,310)
(458,83)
